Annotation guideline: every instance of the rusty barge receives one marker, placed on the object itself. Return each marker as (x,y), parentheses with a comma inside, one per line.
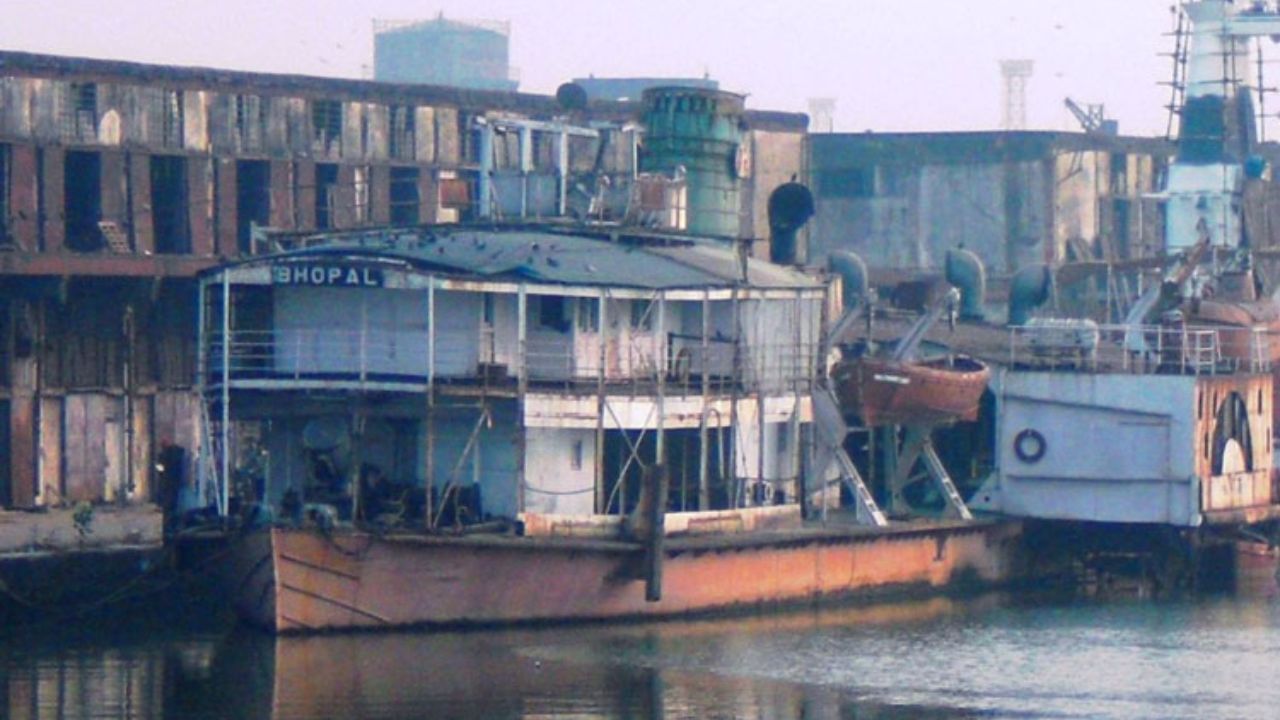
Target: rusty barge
(476,426)
(296,580)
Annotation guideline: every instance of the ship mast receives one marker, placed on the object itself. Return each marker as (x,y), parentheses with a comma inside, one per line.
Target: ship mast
(1217,129)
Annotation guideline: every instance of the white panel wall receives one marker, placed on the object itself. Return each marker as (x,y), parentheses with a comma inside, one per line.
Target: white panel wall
(1118,448)
(560,471)
(342,330)
(457,333)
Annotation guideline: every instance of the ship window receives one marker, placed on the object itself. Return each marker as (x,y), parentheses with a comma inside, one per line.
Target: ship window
(1259,401)
(551,313)
(588,315)
(1200,406)
(642,312)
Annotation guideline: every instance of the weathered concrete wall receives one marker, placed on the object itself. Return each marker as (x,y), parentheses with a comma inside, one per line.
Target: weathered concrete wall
(902,201)
(775,158)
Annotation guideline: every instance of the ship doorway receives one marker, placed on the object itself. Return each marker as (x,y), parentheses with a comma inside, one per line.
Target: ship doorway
(1232,441)
(628,452)
(968,449)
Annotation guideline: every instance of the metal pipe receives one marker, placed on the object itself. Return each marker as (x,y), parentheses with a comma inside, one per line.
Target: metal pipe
(562,168)
(660,444)
(226,394)
(522,388)
(602,335)
(431,401)
(484,188)
(526,167)
(704,487)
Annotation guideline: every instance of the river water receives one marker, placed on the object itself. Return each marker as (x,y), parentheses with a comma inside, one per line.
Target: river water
(995,656)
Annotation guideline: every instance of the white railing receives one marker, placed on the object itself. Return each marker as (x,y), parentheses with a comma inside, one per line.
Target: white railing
(379,354)
(314,353)
(680,365)
(1087,346)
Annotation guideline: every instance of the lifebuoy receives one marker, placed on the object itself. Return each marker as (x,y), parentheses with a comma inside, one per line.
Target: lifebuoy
(1029,446)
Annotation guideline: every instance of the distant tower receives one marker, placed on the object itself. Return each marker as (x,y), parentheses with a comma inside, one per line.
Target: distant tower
(1016,73)
(822,113)
(442,51)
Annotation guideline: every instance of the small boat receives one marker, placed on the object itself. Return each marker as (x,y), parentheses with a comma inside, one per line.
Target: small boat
(884,391)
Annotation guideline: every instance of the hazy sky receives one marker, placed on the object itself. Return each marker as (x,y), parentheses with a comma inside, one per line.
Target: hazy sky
(890,64)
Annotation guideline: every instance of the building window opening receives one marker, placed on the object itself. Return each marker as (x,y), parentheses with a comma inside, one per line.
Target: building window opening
(168,105)
(169,213)
(326,194)
(250,122)
(360,194)
(6,236)
(401,140)
(80,114)
(326,126)
(82,201)
(405,202)
(253,200)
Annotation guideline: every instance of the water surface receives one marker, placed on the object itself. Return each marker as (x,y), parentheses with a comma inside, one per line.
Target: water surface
(992,657)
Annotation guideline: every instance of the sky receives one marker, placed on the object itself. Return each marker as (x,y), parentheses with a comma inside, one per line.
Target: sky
(891,65)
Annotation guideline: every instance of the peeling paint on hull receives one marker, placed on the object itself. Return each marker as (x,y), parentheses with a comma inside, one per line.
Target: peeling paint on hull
(299,580)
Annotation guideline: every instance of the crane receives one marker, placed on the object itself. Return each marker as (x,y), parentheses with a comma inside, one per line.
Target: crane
(1092,118)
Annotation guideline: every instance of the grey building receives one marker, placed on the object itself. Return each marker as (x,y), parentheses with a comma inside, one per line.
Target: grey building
(900,200)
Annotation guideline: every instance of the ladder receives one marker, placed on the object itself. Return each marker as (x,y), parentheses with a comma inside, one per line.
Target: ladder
(955,503)
(829,447)
(207,462)
(1178,84)
(117,240)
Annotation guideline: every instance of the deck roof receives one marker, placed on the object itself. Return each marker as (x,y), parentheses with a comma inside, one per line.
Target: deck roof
(556,256)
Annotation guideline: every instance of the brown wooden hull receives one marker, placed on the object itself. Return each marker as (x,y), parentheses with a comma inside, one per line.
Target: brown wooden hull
(885,392)
(300,580)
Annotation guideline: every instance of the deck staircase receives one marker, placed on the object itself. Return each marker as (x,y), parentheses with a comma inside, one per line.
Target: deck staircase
(830,433)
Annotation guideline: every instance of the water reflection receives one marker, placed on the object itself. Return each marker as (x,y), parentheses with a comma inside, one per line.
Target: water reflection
(993,657)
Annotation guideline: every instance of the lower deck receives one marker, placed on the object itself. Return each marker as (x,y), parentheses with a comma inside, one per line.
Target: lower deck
(300,580)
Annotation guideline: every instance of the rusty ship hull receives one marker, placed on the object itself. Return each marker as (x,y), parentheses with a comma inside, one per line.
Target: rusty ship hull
(890,392)
(296,580)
